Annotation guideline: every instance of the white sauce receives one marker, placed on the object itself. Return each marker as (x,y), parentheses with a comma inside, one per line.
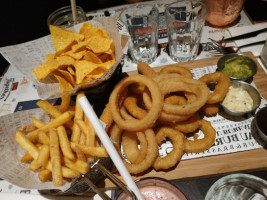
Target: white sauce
(238,99)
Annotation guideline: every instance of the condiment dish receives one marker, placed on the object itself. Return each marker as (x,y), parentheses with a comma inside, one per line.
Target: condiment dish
(253,93)
(260,122)
(237,67)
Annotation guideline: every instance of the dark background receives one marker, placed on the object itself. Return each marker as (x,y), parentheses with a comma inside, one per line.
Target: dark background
(22,21)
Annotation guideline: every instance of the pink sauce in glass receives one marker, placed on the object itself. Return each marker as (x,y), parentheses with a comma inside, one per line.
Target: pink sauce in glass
(156,190)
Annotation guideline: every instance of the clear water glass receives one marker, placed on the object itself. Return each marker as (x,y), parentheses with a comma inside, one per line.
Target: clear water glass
(185,21)
(63,17)
(142,24)
(238,187)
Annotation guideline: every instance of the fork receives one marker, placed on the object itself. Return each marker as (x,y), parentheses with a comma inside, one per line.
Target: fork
(217,48)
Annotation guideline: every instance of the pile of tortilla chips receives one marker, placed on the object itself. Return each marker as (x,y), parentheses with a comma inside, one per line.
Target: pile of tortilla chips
(79,57)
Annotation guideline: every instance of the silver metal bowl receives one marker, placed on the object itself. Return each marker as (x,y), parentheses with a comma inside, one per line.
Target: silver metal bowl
(251,63)
(252,91)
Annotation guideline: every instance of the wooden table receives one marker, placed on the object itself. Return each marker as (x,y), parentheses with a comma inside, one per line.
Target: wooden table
(221,164)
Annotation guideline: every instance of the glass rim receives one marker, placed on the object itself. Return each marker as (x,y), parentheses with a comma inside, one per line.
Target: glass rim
(157,179)
(198,19)
(64,8)
(236,178)
(135,6)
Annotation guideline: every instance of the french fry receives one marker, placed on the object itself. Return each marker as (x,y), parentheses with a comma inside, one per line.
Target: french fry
(43,156)
(80,154)
(78,115)
(26,144)
(34,166)
(26,158)
(58,121)
(46,106)
(82,139)
(28,128)
(66,172)
(37,123)
(43,138)
(79,165)
(55,158)
(84,129)
(50,150)
(89,132)
(65,101)
(64,143)
(92,151)
(44,175)
(92,134)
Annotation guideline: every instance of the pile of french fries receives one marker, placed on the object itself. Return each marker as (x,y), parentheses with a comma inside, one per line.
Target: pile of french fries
(61,149)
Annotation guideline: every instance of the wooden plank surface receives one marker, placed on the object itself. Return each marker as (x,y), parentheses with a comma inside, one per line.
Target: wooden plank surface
(232,162)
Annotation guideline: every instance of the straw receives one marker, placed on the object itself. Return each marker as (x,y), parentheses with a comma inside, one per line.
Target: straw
(115,157)
(74,11)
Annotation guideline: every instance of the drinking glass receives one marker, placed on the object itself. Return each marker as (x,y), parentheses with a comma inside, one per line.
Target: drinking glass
(142,24)
(238,187)
(185,21)
(63,17)
(155,188)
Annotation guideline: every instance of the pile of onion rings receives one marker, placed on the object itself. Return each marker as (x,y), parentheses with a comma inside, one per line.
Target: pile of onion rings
(148,109)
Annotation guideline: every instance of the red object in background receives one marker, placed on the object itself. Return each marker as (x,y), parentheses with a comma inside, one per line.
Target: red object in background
(14,86)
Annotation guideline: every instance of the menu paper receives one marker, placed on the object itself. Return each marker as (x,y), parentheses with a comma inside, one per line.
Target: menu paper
(233,135)
(27,56)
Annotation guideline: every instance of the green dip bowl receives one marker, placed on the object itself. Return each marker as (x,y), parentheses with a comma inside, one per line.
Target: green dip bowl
(237,67)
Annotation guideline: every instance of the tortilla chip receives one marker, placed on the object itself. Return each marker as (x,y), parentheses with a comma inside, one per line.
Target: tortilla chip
(98,44)
(88,31)
(76,56)
(91,57)
(49,57)
(63,83)
(79,58)
(42,71)
(81,46)
(83,68)
(107,64)
(71,70)
(91,77)
(64,60)
(63,39)
(67,75)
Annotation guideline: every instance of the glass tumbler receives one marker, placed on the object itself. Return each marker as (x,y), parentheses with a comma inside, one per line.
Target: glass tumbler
(63,17)
(155,188)
(238,187)
(142,24)
(185,21)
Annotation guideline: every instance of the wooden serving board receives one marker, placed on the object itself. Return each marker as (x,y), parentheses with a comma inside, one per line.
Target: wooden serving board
(220,164)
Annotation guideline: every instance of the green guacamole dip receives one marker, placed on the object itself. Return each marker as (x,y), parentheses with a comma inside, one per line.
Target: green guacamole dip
(237,67)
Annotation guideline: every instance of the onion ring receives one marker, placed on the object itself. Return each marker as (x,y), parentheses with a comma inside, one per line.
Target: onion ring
(223,84)
(151,155)
(210,109)
(185,72)
(152,115)
(178,148)
(164,117)
(201,91)
(176,100)
(190,125)
(106,117)
(130,103)
(145,69)
(203,144)
(130,146)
